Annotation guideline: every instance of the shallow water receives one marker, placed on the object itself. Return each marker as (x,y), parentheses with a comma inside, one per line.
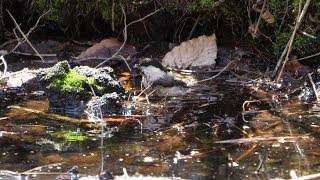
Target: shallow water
(200,136)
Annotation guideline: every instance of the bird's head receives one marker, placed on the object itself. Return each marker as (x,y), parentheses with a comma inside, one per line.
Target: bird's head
(147,62)
(154,73)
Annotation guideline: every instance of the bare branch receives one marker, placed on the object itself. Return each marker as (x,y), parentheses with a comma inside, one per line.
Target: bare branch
(25,36)
(141,19)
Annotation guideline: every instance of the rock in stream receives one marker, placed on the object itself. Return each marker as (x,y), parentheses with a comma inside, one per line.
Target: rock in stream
(70,90)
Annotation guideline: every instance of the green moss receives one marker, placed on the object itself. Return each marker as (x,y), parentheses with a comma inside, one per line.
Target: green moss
(72,136)
(232,10)
(285,12)
(63,11)
(72,82)
(302,46)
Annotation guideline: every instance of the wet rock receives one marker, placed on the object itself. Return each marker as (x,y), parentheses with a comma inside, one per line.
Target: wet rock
(70,90)
(11,95)
(107,104)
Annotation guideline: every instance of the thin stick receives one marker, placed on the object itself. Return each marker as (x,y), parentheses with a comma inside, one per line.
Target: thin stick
(259,139)
(210,78)
(24,36)
(287,46)
(141,19)
(112,15)
(5,66)
(296,27)
(124,38)
(307,57)
(125,33)
(194,27)
(259,19)
(144,90)
(313,87)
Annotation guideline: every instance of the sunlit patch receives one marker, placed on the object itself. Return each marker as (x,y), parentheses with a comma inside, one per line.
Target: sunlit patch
(148,159)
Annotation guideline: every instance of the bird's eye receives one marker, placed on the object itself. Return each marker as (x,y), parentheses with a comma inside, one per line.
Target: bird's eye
(137,66)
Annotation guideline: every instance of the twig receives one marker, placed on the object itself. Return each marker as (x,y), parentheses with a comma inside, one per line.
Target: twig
(124,39)
(24,36)
(144,90)
(259,19)
(313,87)
(30,30)
(287,46)
(112,15)
(5,66)
(304,33)
(258,139)
(194,27)
(29,54)
(246,153)
(210,78)
(125,34)
(260,163)
(141,19)
(125,173)
(307,57)
(284,15)
(296,27)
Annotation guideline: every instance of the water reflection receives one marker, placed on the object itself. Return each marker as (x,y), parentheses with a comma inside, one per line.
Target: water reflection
(171,137)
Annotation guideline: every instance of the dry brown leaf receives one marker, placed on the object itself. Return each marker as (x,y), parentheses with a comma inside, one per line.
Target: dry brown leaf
(268,17)
(197,52)
(106,48)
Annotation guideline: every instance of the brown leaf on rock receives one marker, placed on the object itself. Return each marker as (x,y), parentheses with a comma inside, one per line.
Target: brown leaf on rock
(106,48)
(197,52)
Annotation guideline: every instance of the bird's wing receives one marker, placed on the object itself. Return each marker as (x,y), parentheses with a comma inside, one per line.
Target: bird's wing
(169,82)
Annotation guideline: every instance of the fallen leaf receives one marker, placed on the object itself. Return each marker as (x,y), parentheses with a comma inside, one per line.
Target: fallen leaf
(197,52)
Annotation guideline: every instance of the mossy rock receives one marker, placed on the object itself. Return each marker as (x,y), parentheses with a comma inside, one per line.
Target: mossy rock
(69,90)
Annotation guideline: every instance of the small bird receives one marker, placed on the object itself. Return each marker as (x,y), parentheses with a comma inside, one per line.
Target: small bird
(154,75)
